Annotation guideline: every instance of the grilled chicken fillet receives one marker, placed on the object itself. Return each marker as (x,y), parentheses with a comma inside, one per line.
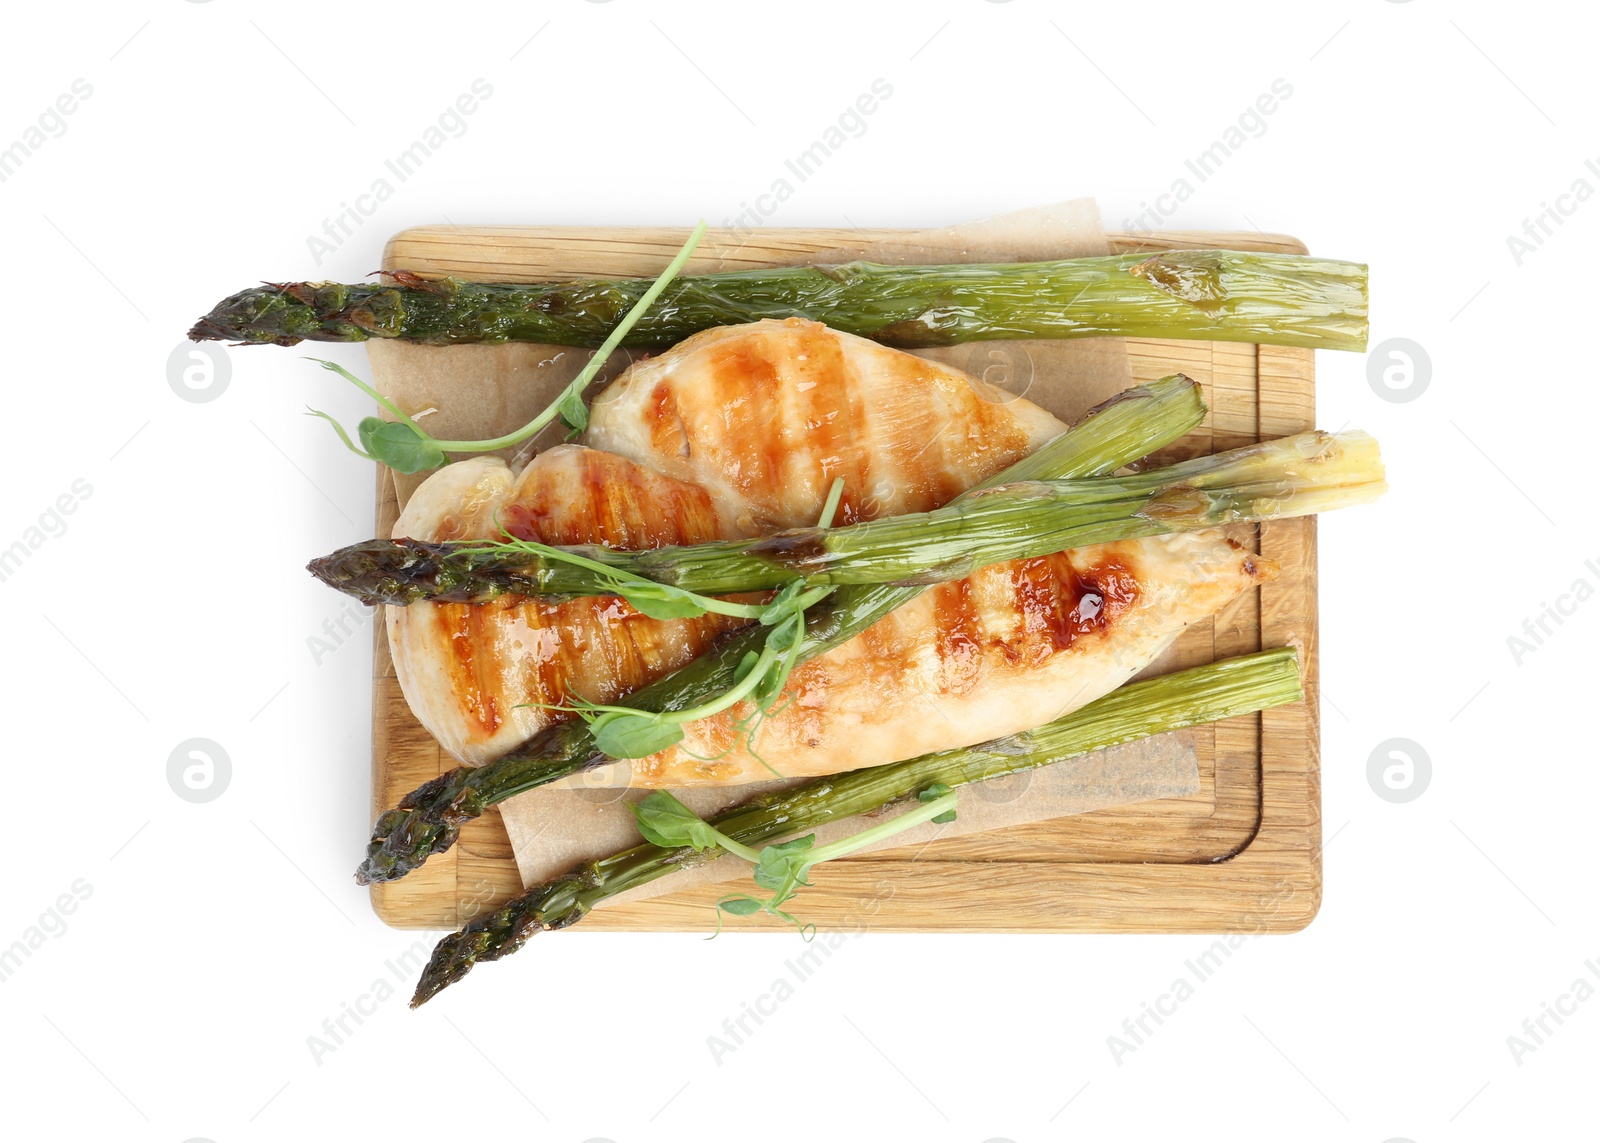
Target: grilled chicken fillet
(765,416)
(1011,647)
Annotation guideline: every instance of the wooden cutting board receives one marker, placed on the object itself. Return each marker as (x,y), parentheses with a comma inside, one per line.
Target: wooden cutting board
(1243,854)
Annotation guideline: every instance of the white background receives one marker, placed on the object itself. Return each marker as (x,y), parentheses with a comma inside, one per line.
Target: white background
(216,938)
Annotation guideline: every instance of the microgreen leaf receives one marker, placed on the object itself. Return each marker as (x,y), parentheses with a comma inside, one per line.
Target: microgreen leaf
(667,822)
(780,868)
(783,866)
(782,605)
(932,794)
(659,600)
(739,906)
(786,632)
(633,734)
(746,665)
(771,684)
(399,445)
(574,413)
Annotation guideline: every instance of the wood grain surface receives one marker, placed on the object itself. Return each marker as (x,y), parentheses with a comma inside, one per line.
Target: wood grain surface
(1241,855)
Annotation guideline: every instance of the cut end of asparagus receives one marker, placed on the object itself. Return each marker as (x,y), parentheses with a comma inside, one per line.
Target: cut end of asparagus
(1327,297)
(1295,476)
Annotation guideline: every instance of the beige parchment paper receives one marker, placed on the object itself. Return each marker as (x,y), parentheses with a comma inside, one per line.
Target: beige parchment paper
(484,391)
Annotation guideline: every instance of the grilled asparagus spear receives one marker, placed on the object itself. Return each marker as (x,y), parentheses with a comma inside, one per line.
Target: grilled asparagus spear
(428,820)
(1294,476)
(1215,295)
(1202,694)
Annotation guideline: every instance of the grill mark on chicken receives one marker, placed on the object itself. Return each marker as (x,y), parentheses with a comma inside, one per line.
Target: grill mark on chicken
(1057,600)
(934,468)
(819,411)
(718,742)
(932,457)
(596,649)
(624,507)
(885,642)
(921,454)
(668,434)
(860,500)
(462,627)
(959,639)
(743,391)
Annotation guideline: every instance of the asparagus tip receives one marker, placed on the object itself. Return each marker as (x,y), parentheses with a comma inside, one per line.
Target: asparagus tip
(383,571)
(219,325)
(488,937)
(392,857)
(427,821)
(209,329)
(453,957)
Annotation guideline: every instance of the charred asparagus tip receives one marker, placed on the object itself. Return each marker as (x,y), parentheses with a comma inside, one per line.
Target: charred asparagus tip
(498,934)
(207,330)
(426,822)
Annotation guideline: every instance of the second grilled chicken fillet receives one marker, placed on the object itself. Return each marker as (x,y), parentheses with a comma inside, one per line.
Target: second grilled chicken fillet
(1011,647)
